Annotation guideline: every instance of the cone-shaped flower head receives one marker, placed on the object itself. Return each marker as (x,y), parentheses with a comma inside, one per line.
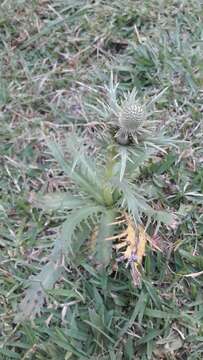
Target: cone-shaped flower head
(130,115)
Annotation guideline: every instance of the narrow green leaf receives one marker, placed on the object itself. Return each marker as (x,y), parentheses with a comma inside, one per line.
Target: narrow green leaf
(141,302)
(159,314)
(9,354)
(152,293)
(99,330)
(150,347)
(152,334)
(124,157)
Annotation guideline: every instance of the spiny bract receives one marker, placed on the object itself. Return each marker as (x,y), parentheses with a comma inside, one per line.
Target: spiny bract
(130,114)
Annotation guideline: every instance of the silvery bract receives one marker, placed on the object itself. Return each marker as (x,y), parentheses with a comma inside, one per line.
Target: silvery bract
(130,115)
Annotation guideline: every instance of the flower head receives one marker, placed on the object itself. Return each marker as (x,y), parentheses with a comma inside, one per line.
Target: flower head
(130,115)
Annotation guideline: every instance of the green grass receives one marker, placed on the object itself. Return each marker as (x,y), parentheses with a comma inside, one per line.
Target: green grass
(55,56)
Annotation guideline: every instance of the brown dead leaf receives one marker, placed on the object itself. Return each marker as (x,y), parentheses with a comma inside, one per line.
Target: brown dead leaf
(133,240)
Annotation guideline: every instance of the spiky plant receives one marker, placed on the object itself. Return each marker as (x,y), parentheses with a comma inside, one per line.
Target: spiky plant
(130,115)
(105,201)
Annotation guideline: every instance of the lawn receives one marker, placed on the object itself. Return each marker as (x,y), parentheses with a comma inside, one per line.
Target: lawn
(57,58)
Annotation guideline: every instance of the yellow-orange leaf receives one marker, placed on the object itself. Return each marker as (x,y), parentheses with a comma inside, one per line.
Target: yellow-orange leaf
(132,244)
(134,238)
(143,237)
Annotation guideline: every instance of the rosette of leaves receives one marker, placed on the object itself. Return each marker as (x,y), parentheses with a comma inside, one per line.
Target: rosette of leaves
(104,187)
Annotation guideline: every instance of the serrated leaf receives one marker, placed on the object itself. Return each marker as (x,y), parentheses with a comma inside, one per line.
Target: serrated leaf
(35,295)
(84,182)
(140,155)
(75,219)
(136,203)
(58,201)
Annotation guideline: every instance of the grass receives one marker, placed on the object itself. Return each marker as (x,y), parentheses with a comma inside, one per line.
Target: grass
(55,56)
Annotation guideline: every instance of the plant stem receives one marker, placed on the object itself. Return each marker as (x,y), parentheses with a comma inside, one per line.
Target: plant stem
(109,172)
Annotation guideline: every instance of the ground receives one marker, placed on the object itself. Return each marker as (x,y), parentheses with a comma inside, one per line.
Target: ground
(56,55)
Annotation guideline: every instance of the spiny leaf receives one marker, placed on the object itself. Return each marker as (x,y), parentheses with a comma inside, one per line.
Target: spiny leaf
(140,155)
(35,295)
(74,221)
(79,178)
(132,199)
(58,201)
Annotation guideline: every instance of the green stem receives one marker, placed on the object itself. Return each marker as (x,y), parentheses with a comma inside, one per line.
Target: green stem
(110,163)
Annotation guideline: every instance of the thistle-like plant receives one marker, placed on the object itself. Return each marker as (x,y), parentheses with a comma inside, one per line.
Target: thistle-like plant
(131,116)
(105,201)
